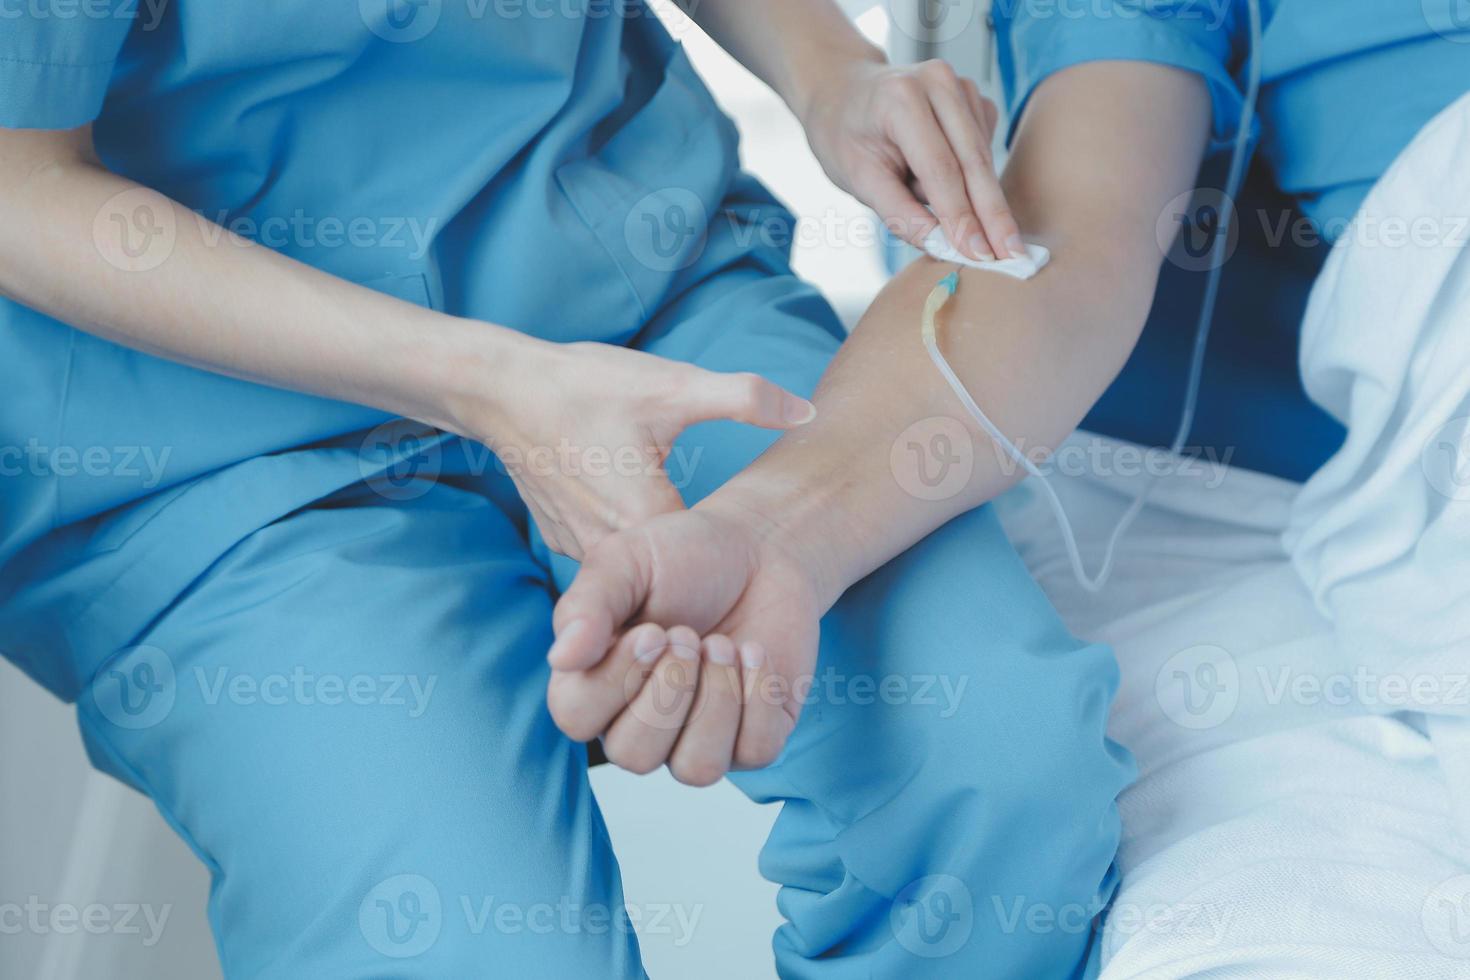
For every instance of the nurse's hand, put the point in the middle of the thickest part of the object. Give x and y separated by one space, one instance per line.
896 136
587 428
689 641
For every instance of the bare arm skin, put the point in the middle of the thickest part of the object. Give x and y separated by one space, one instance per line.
1102 149
232 308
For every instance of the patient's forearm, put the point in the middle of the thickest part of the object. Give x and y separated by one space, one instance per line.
1092 172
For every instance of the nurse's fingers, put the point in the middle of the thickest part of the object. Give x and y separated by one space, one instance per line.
969 136
902 212
929 154
748 398
765 724
544 518
608 590
585 703
995 211
702 755
630 503
983 108
641 738
551 530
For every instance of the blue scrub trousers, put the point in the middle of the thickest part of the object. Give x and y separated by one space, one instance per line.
344 716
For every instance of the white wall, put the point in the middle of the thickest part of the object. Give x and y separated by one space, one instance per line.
125 859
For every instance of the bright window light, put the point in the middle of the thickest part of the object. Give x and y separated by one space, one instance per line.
874 25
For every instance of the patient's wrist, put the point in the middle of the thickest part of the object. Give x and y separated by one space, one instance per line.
792 523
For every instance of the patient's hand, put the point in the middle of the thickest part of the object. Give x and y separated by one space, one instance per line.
688 641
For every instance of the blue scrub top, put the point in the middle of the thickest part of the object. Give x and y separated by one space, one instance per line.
1345 83
531 163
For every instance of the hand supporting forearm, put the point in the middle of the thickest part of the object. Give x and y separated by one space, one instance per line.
221 303
1103 148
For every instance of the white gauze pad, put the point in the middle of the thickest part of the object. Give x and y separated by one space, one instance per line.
1037 256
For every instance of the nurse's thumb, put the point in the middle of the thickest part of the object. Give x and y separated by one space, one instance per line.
751 399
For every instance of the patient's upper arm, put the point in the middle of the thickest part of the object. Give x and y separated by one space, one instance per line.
1103 147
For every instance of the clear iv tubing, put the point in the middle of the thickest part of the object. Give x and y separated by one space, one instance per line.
949 284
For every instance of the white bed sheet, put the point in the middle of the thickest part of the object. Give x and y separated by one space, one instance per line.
1289 819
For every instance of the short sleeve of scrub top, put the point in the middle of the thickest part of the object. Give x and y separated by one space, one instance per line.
56 60
1038 38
